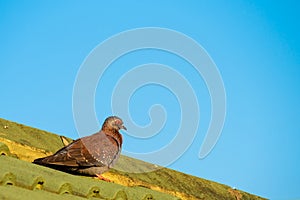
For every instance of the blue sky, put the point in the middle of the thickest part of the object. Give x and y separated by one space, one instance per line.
255 45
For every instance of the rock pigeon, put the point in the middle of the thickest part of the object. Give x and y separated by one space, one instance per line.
91 155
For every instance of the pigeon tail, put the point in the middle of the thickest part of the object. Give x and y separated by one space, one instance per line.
39 161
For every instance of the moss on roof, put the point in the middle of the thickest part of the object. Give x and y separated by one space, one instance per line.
28 143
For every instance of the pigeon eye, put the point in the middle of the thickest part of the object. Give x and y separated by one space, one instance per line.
118 122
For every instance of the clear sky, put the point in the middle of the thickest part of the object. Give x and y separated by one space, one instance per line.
254 44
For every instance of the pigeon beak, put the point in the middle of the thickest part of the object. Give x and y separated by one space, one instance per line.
123 127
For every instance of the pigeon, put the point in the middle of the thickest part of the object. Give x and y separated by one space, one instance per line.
91 155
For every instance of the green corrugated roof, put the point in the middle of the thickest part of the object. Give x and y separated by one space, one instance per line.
20 178
29 179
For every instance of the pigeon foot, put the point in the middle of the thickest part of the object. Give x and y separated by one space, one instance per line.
99 176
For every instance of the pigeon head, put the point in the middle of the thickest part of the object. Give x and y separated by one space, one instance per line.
113 122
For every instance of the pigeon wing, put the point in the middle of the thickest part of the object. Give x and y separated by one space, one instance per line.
73 155
95 150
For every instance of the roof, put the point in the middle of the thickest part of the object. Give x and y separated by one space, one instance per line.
19 178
